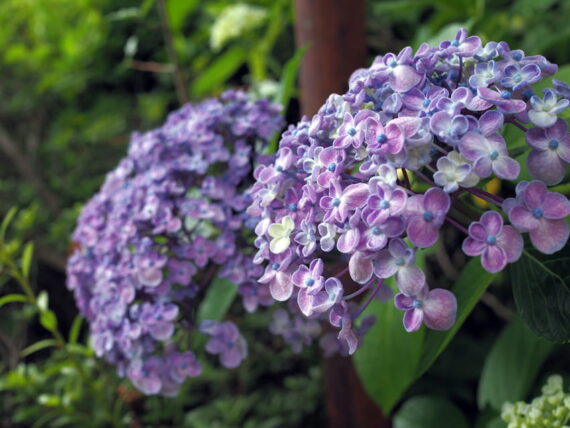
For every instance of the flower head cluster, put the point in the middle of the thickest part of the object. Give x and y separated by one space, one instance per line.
550 410
167 221
351 182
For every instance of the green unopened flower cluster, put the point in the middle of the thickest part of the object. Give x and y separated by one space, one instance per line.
550 410
234 21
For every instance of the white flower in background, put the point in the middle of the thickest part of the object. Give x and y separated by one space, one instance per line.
233 21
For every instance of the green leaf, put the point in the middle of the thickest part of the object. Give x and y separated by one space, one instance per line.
289 77
429 412
217 301
6 222
541 291
468 289
512 365
75 329
27 255
178 11
11 298
219 71
388 359
48 320
38 346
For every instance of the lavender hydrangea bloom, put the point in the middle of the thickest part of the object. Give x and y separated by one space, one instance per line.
225 341
496 243
542 214
548 161
436 308
360 175
165 220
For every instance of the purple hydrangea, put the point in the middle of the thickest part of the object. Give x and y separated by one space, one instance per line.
387 162
166 222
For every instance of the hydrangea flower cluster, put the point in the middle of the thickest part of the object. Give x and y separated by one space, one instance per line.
550 410
166 222
378 171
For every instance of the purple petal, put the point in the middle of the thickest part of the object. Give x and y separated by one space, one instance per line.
523 219
440 309
436 201
556 206
422 233
348 241
506 167
384 265
546 166
494 259
491 121
411 280
493 222
510 240
305 302
355 195
413 319
534 194
550 236
299 275
403 302
404 77
473 247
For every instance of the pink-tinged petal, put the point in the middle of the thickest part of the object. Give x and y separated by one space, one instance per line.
534 194
479 104
393 226
546 166
421 233
404 77
403 302
355 195
523 219
384 264
305 302
436 200
506 168
556 206
348 241
492 221
469 46
478 231
494 259
413 320
536 137
491 121
473 247
411 280
398 200
415 205
363 115
550 236
281 287
409 125
414 99
511 241
440 309
360 267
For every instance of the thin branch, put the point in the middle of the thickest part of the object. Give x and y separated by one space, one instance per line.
152 67
181 89
27 170
496 306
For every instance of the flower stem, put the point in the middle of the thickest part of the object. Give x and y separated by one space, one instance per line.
368 300
480 193
358 292
456 224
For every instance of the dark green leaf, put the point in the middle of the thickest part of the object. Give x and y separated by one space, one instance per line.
541 290
388 359
217 301
512 365
468 289
429 412
10 298
219 71
178 11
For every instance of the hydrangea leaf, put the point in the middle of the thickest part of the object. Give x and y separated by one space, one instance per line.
512 365
542 294
429 412
468 288
219 297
